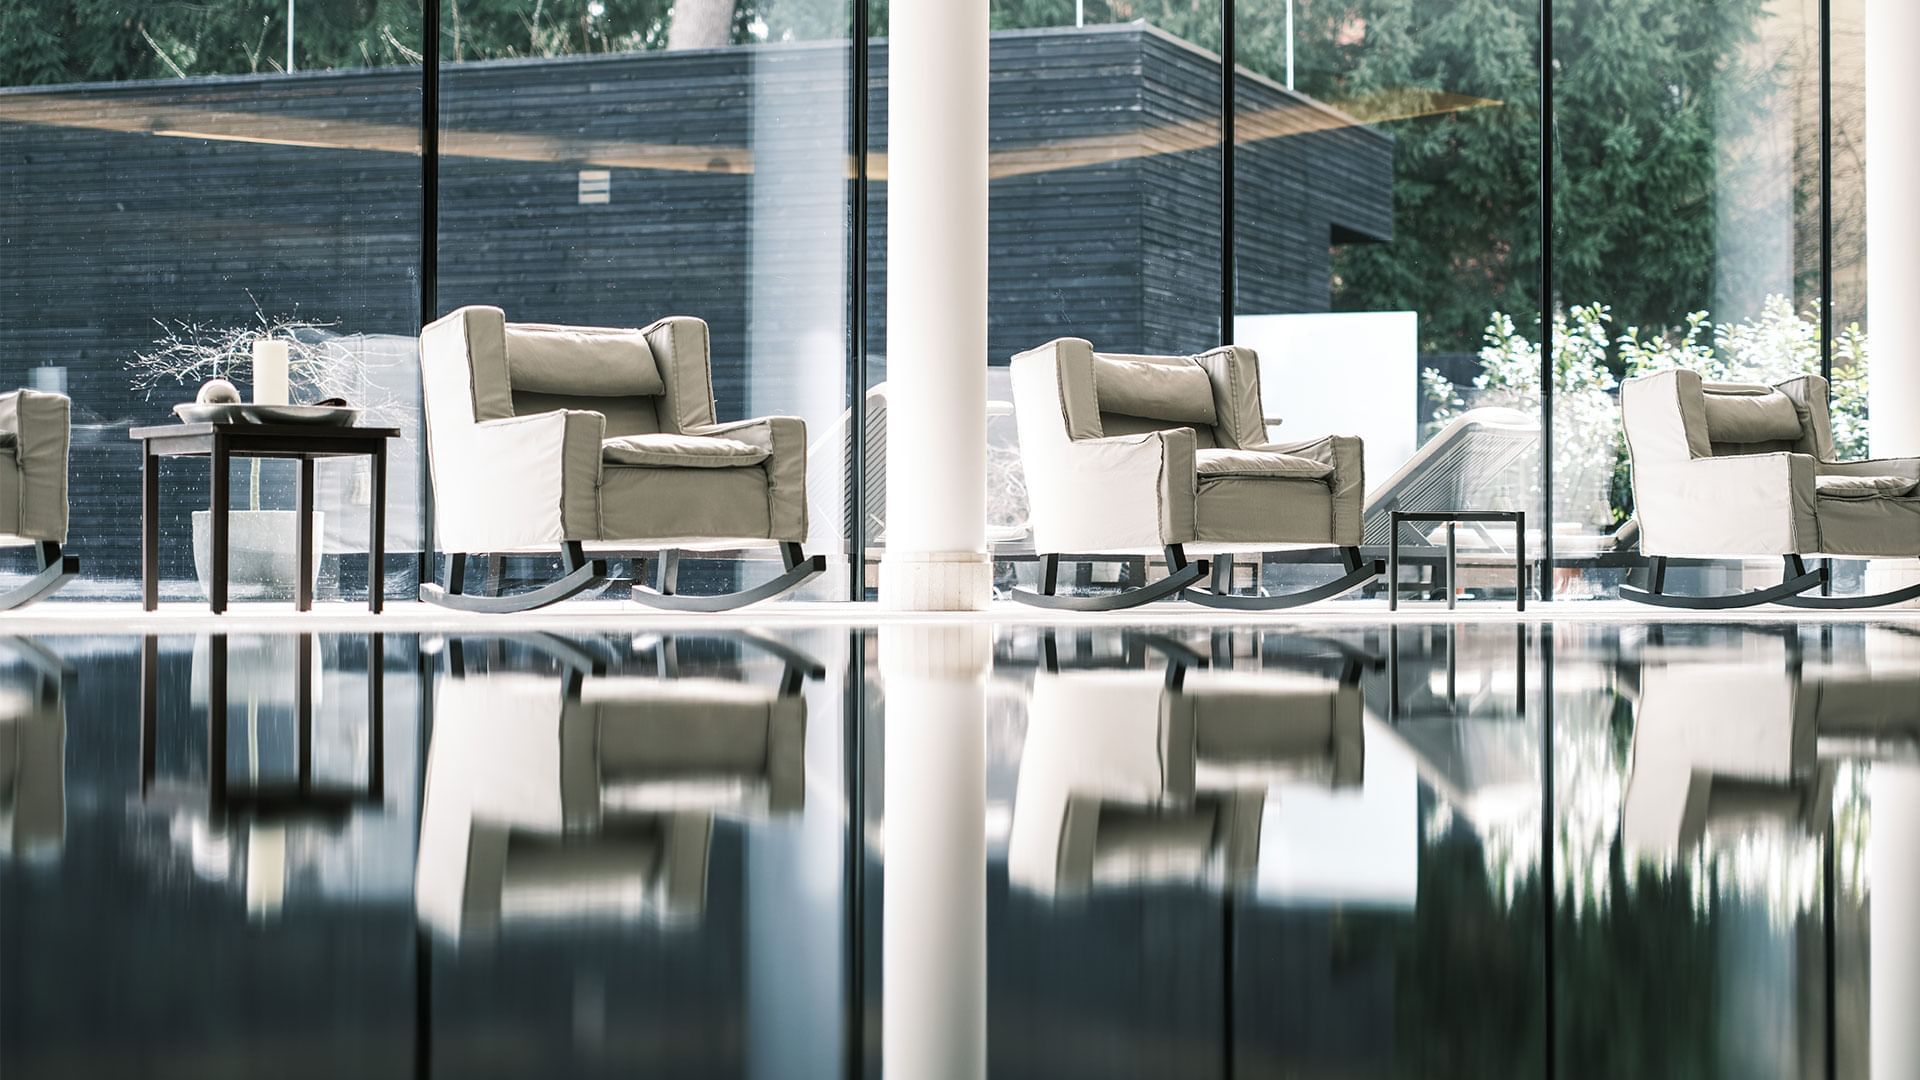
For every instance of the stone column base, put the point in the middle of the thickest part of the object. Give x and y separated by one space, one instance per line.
936 580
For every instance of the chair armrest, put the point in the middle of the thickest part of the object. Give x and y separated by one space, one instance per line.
1347 455
1118 493
36 428
784 438
682 351
1732 506
1907 467
520 481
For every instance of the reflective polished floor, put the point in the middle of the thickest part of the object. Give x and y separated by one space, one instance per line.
1419 850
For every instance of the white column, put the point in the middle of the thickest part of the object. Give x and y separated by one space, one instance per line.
1893 250
936 309
934 923
1893 226
1893 881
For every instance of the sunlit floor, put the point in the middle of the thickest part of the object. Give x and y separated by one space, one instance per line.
789 844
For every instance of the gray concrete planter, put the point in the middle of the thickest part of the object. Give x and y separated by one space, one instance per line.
261 552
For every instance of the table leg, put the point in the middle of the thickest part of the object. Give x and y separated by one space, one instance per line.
217 719
217 511
1393 673
150 529
377 541
376 717
149 707
303 546
1393 560
1453 564
303 706
1520 562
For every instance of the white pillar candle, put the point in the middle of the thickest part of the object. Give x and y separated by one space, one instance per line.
269 372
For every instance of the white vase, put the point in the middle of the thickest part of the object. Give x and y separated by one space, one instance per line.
262 552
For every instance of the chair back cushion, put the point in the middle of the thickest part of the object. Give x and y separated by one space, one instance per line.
1174 389
581 361
1744 415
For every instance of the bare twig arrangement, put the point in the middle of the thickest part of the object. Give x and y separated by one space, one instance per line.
321 363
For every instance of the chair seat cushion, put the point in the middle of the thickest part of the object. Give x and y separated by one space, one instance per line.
1864 487
668 450
1259 463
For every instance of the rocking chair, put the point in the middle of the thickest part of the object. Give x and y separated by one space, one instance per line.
567 436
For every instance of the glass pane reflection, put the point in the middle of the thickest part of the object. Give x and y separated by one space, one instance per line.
1075 851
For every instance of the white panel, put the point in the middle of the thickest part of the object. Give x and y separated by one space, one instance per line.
1344 373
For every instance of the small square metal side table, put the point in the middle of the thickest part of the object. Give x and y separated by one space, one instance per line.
1517 518
221 443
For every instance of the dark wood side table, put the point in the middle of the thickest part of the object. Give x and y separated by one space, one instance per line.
1517 518
221 443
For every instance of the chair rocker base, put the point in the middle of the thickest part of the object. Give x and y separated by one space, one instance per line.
1181 576
582 574
800 569
56 570
1849 603
1798 580
1358 574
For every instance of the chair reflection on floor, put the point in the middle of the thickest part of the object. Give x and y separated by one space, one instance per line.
33 750
589 796
1722 749
1148 775
1741 730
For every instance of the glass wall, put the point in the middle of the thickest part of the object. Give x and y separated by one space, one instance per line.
631 163
1686 211
177 182
1386 243
1104 211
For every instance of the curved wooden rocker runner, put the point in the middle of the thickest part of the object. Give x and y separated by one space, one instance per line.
799 568
56 569
581 575
1359 572
1181 575
1794 591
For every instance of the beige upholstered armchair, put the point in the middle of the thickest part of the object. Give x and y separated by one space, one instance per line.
1146 454
1128 776
34 432
594 797
576 438
1733 470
